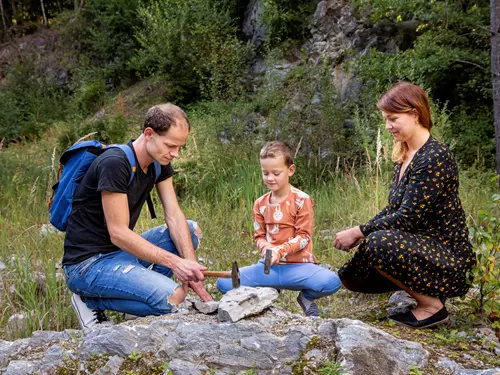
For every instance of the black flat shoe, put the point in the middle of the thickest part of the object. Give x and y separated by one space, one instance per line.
409 320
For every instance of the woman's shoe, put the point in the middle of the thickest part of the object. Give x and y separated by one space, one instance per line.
409 320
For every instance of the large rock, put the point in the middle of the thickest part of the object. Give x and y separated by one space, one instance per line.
275 342
245 301
254 27
448 364
361 347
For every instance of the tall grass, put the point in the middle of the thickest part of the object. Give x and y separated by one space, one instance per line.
217 187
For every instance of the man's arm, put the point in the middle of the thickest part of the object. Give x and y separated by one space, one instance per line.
179 230
116 211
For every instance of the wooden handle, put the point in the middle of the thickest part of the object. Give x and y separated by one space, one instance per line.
225 274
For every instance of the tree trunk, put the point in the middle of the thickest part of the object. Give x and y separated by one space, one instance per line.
495 74
14 12
43 13
3 18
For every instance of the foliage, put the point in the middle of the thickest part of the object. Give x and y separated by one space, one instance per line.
107 128
331 368
486 273
447 53
30 100
287 20
193 45
108 40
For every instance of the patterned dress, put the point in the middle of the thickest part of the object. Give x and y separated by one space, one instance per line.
420 238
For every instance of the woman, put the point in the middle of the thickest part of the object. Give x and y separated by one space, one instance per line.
419 241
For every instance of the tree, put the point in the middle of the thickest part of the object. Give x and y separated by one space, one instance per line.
495 76
3 17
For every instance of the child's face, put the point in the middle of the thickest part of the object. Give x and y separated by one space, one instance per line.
276 174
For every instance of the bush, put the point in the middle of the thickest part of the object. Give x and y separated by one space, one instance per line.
287 20
193 45
486 273
30 100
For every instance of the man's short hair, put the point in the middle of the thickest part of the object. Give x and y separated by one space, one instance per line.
275 149
162 116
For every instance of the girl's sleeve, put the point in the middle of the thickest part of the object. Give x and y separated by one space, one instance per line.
259 227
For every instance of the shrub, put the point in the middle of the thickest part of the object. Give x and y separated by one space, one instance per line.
30 100
287 20
193 45
486 273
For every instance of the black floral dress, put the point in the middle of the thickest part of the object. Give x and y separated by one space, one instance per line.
420 238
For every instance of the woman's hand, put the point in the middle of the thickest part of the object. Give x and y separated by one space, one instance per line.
348 238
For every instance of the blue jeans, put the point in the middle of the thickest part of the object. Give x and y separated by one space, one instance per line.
314 281
122 282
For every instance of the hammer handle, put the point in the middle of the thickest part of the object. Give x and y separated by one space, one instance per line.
225 274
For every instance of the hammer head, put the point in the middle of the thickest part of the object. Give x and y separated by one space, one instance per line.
267 261
235 275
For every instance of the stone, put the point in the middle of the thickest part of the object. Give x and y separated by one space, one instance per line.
2 266
209 307
198 344
180 367
112 367
48 230
360 348
254 26
451 365
16 323
21 367
245 301
400 302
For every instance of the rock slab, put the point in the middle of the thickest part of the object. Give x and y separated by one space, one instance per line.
244 301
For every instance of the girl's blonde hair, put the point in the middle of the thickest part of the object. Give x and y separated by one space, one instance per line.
404 97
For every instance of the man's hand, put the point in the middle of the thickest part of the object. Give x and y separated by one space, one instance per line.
200 290
186 270
347 239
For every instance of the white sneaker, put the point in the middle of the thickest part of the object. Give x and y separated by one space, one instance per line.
87 317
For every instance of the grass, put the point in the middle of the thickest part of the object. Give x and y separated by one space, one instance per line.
219 197
217 187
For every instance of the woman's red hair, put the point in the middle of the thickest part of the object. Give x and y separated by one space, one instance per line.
404 97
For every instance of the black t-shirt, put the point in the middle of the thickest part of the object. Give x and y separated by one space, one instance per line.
86 232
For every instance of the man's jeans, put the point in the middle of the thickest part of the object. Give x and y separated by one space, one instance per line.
314 281
121 282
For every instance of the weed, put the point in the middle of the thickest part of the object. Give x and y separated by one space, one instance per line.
415 371
134 356
331 368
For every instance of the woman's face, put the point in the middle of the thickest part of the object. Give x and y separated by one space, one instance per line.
401 125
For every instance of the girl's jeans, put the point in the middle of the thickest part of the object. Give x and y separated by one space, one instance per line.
314 281
121 282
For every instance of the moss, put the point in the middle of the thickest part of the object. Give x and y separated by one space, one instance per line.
96 362
145 364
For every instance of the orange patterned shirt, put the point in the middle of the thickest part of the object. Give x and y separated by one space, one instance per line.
285 227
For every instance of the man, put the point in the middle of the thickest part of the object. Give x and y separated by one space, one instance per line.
107 265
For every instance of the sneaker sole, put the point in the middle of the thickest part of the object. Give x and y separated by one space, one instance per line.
77 313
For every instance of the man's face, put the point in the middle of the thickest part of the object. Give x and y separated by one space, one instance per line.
164 148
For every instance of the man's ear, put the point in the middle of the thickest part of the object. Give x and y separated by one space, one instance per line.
148 133
291 170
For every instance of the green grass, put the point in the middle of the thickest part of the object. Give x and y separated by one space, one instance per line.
217 188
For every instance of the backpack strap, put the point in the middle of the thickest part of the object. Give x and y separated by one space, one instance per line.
131 159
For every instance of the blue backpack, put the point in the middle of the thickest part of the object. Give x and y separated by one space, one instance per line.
75 162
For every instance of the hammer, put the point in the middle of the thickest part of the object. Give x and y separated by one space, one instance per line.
234 274
267 261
